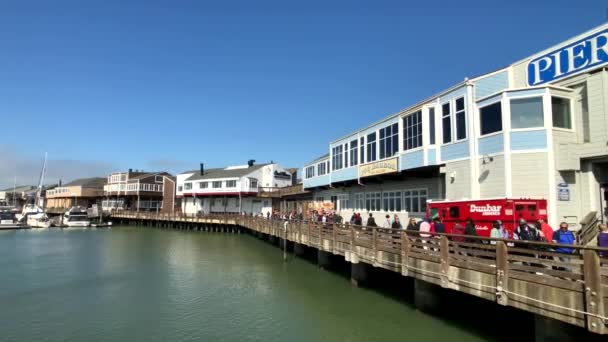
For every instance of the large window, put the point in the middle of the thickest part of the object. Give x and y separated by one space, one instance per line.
217 184
391 201
389 141
490 118
361 150
415 201
560 108
343 202
188 186
203 185
336 158
231 184
373 201
321 169
412 131
461 120
354 160
432 126
253 183
527 113
310 171
360 201
371 147
446 122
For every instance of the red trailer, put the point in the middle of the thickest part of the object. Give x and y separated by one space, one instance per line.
485 211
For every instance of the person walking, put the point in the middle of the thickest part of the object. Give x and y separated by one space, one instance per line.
439 226
602 239
563 236
470 230
371 222
387 222
396 224
498 231
412 225
546 230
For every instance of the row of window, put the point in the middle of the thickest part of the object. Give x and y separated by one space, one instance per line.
411 201
215 185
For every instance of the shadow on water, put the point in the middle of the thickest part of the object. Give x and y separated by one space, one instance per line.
481 317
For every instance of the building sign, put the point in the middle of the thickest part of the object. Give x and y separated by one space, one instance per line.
570 59
563 192
486 210
378 168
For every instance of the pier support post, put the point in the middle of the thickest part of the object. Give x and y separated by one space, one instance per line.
359 274
323 259
427 296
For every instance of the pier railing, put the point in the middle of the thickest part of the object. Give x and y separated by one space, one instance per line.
564 282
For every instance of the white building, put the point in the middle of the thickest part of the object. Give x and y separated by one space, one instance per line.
537 128
232 189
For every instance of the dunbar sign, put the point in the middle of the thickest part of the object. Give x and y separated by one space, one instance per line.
378 168
570 59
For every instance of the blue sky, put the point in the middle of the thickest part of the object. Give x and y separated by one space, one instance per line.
105 85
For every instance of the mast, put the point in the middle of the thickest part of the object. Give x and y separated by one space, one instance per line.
14 190
41 181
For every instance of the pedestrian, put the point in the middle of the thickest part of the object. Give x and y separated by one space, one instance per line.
602 239
498 231
458 230
412 225
525 232
359 221
353 219
439 226
387 222
470 230
371 222
563 236
425 227
396 224
547 231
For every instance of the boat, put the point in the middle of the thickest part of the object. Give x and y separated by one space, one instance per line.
76 217
8 220
32 214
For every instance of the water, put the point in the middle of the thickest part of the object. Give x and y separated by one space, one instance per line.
128 284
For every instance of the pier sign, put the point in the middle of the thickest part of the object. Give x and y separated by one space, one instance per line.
568 60
378 168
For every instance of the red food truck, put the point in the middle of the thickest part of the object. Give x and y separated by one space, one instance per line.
484 212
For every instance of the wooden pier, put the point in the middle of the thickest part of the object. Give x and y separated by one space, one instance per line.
571 288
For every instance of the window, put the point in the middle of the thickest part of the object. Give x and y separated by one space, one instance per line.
526 113
321 170
391 201
203 185
231 184
432 126
560 108
361 150
346 155
158 179
343 202
461 120
412 131
188 186
389 141
371 147
360 201
334 201
447 123
455 212
415 200
373 201
336 158
253 183
490 118
353 153
217 184
310 172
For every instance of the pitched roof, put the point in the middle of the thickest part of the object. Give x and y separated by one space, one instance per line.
225 172
318 159
20 188
94 182
148 174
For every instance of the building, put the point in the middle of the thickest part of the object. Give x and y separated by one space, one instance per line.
20 195
139 191
536 128
232 189
83 192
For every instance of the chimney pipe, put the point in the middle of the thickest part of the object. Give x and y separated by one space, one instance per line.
130 170
250 162
202 169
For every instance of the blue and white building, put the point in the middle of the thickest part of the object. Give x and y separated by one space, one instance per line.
537 128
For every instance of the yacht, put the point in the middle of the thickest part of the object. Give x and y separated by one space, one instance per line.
76 217
8 220
32 214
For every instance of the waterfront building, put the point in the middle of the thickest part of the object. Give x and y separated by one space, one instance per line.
20 195
84 192
140 191
536 128
232 189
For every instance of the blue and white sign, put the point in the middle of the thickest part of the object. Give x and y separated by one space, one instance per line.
563 192
570 59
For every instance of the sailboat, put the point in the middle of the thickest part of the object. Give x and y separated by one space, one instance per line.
32 214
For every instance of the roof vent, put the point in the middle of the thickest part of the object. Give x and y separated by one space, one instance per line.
202 169
250 162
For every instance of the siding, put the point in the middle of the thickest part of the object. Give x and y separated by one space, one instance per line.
432 156
455 151
454 94
568 211
491 144
597 99
316 181
530 92
530 175
520 75
344 174
411 160
528 140
491 84
492 178
460 187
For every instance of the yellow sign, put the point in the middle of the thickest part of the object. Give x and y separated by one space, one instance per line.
378 168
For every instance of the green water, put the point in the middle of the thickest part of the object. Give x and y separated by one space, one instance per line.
137 284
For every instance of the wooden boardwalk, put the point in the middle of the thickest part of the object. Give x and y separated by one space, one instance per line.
525 275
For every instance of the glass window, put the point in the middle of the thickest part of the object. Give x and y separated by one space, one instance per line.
217 184
346 155
432 126
447 123
412 131
361 149
560 108
371 147
336 158
253 183
310 172
455 212
180 188
188 186
461 121
203 185
490 118
354 160
389 143
526 113
231 184
321 169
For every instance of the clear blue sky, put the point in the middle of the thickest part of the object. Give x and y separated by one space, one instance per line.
169 84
